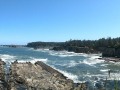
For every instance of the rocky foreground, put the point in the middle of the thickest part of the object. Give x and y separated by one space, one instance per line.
38 76
3 85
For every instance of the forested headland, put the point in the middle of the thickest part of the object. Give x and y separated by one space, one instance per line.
109 47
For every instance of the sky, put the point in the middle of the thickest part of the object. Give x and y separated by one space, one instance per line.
23 21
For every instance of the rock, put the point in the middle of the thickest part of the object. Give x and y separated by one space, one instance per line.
3 84
39 76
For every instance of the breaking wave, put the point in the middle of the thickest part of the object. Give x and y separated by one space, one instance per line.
10 58
7 58
65 54
70 76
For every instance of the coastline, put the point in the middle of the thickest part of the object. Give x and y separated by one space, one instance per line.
93 58
22 76
108 59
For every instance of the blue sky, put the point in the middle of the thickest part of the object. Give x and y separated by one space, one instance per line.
23 21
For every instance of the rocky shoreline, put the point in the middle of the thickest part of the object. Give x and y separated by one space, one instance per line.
3 84
108 59
38 76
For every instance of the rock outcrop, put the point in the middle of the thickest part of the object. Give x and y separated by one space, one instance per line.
39 76
75 49
110 52
3 84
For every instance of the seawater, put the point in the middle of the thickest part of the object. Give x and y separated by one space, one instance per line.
76 66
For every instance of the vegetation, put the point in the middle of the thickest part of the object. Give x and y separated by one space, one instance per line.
43 44
110 47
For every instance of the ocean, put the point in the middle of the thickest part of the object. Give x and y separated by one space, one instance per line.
81 68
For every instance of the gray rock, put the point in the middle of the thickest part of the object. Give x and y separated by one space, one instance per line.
39 76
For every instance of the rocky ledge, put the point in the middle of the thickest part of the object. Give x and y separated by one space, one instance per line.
39 76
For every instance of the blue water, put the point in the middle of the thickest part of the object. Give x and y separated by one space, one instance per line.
76 66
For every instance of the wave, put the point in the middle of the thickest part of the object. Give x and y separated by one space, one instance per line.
37 59
10 58
7 58
70 76
33 60
65 54
91 61
72 64
104 65
104 70
67 74
41 50
71 54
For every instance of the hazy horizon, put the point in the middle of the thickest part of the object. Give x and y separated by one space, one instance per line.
58 20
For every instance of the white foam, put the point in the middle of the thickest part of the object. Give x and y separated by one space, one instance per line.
113 76
33 60
21 61
93 59
66 54
72 64
104 65
68 75
36 59
104 70
70 54
7 58
46 49
42 50
96 75
91 62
